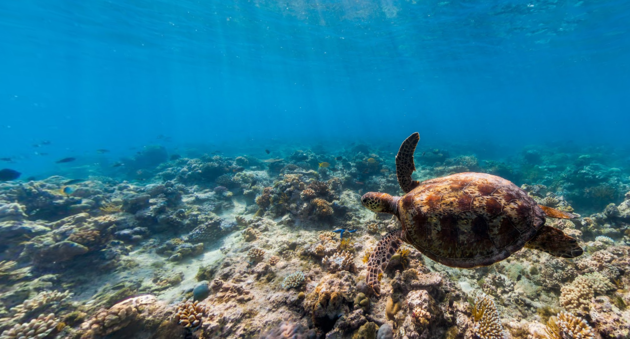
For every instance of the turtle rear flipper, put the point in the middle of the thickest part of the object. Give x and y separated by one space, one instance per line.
405 165
555 242
554 213
379 259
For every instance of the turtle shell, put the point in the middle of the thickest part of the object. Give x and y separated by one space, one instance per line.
469 219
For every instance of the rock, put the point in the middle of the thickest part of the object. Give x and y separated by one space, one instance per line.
15 229
12 211
61 251
201 290
385 332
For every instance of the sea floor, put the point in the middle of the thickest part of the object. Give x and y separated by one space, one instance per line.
242 247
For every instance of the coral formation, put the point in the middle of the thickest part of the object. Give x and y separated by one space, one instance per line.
107 321
487 324
189 314
566 325
340 261
293 280
37 328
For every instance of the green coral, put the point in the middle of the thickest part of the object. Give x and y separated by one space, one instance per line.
367 331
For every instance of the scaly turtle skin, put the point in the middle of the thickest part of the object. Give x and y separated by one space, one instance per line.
462 220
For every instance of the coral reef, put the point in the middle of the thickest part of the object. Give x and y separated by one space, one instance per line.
241 247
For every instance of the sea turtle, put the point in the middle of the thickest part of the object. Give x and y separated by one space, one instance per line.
462 220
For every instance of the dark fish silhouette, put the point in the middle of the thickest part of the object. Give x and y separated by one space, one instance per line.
8 174
69 159
73 181
102 151
267 151
341 231
118 164
6 159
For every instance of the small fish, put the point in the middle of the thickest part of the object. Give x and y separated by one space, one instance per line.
339 158
174 157
324 164
64 160
423 153
371 161
46 142
102 151
267 151
8 174
66 190
6 159
118 164
341 231
359 182
273 160
36 145
73 181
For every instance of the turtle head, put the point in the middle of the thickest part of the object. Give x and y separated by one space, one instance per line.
380 202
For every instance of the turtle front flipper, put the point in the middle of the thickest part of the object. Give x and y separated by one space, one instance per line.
555 242
379 259
405 165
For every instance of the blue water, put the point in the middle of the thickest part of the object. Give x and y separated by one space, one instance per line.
263 74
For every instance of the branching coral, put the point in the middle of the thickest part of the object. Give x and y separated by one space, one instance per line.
293 280
264 200
120 315
321 208
372 228
250 234
567 326
308 194
274 260
576 297
340 261
190 314
487 324
110 207
46 300
37 328
256 255
86 237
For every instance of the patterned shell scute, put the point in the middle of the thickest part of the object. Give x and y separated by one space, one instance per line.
469 219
